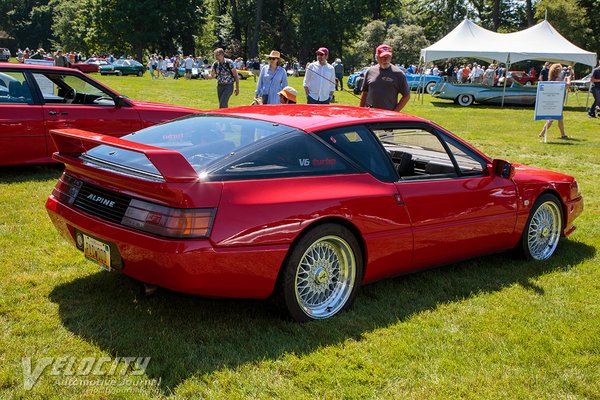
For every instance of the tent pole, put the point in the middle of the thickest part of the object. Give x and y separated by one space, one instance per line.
505 79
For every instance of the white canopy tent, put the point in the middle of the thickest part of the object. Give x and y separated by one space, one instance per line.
540 42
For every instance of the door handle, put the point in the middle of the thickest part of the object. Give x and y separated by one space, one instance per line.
57 113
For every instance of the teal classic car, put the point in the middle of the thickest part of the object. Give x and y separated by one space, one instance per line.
123 67
467 94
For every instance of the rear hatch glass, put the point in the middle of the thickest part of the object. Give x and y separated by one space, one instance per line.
201 139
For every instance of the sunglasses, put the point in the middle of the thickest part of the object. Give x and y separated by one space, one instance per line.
320 54
273 58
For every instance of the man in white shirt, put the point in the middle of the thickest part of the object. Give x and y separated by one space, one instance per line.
319 80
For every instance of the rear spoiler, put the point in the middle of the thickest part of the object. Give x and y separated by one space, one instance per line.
171 164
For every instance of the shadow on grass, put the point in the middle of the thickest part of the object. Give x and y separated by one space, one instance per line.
190 336
451 104
30 173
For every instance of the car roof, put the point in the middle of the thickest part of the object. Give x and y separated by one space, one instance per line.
316 117
34 67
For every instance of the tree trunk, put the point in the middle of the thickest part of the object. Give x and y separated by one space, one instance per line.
236 21
257 23
529 11
496 15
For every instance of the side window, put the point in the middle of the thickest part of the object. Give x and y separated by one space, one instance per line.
71 89
469 163
359 144
14 89
417 153
293 154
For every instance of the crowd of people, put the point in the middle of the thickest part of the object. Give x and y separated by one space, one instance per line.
385 85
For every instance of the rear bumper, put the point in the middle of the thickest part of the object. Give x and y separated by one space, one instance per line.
189 266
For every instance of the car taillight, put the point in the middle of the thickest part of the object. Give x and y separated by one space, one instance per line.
167 221
66 189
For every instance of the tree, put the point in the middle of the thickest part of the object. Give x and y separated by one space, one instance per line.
407 42
28 21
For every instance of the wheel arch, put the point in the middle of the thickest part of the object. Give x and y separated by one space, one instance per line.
327 220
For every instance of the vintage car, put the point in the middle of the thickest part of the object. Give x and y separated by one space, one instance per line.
303 202
521 77
35 99
123 67
467 94
583 83
90 65
244 74
415 81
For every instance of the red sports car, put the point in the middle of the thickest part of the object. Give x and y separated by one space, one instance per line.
302 202
35 99
90 65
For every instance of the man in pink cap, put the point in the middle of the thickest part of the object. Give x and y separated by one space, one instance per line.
319 80
384 82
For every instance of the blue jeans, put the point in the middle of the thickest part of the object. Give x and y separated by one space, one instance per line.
224 92
596 94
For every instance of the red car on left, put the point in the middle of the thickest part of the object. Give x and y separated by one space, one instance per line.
35 99
90 65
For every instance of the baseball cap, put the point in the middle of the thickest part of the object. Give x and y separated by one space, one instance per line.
383 50
323 50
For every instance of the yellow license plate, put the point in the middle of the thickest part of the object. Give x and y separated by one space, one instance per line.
96 251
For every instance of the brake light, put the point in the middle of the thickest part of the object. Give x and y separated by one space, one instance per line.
167 221
66 189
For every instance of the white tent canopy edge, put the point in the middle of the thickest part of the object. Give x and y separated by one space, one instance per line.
540 42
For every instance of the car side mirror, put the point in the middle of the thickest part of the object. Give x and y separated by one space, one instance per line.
502 168
120 101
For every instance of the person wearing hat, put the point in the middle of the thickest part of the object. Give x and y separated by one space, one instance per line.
288 95
319 79
271 79
384 82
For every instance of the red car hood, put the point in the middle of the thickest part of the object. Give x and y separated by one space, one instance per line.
527 174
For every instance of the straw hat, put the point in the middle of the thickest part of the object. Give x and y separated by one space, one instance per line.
289 93
274 54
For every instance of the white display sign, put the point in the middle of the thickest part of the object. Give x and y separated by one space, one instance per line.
550 100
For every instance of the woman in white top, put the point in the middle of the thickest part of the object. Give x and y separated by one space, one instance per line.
271 80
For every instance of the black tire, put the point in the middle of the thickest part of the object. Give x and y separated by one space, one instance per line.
321 274
465 100
119 73
543 228
140 73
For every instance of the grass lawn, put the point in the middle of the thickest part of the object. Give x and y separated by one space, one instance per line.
492 327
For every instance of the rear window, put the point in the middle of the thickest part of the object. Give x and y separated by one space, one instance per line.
202 139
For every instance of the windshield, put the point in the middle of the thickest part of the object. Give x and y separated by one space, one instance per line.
201 139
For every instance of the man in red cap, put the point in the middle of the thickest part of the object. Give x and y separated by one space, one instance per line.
319 80
383 82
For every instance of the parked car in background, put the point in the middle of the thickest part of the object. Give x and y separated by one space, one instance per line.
467 94
583 83
123 67
4 54
356 79
296 70
244 74
521 77
90 65
303 203
35 99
